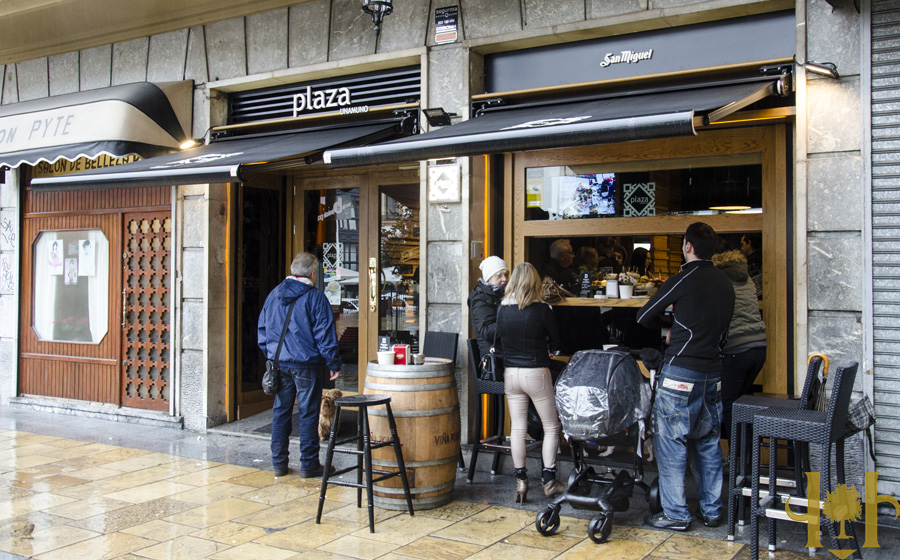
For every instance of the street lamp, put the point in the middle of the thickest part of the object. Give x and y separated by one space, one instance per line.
378 9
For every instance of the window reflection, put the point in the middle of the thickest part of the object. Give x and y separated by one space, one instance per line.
592 191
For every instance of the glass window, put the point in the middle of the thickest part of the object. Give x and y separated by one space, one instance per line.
594 191
71 286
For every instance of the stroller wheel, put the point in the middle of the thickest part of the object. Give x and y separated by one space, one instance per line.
583 488
547 522
600 527
654 498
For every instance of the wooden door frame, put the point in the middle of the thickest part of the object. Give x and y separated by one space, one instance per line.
764 145
367 180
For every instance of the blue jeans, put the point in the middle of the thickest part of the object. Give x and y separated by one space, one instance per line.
305 385
686 424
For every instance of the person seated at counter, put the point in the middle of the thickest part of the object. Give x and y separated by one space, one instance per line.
587 260
641 261
606 247
621 255
484 301
561 267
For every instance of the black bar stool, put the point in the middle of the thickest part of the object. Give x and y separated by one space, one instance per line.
363 452
740 446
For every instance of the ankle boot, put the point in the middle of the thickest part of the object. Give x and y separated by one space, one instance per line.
553 488
521 490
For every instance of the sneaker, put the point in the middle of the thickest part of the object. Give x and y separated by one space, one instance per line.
281 471
663 521
317 472
708 521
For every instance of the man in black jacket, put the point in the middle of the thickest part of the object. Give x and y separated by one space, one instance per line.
688 409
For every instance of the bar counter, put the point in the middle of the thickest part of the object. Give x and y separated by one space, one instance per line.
635 302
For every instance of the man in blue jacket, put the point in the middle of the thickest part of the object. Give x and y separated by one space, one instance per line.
687 410
310 342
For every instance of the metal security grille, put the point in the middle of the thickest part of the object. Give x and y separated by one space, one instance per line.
372 89
145 311
886 238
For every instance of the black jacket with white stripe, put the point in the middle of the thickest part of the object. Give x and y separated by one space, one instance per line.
703 301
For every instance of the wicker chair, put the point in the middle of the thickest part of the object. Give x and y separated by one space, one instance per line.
808 426
496 443
443 345
739 449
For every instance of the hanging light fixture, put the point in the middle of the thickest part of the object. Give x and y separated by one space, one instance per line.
730 193
378 9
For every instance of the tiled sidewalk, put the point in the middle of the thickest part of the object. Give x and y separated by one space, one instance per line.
98 501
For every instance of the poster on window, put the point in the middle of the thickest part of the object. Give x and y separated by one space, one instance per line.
87 258
71 272
55 258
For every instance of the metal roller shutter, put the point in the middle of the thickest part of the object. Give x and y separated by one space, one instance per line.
886 238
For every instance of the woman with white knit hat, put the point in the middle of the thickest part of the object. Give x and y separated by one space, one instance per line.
485 299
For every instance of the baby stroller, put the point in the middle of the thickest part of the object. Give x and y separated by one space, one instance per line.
602 398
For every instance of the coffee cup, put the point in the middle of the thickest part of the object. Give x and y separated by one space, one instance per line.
386 358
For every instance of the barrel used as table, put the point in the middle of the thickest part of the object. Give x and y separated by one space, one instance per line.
425 404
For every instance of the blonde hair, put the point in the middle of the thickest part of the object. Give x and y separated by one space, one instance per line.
524 286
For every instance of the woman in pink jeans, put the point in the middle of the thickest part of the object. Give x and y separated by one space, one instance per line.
530 334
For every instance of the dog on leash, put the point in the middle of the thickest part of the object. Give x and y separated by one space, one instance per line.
326 412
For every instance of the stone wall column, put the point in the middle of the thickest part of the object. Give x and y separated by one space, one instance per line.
10 250
835 191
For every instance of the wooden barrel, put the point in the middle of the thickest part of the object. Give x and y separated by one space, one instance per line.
425 404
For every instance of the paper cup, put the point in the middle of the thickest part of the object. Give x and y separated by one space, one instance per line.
625 292
386 358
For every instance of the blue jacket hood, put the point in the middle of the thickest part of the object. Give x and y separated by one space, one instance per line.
290 289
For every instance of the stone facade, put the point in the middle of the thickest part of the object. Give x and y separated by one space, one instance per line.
332 37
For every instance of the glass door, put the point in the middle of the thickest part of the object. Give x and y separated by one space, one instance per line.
365 230
398 270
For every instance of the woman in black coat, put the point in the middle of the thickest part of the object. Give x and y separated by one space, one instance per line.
485 299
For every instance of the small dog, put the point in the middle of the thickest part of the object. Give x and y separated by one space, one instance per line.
326 412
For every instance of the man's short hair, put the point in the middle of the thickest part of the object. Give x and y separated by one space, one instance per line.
559 246
304 264
703 239
754 240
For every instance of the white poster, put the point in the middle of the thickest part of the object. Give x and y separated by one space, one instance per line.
71 272
55 258
87 258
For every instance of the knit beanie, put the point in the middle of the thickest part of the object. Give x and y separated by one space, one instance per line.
491 266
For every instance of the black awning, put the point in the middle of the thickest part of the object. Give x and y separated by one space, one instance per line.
226 161
636 116
141 118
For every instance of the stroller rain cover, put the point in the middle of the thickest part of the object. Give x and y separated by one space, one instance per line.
600 394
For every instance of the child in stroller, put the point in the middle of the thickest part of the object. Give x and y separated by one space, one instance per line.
603 398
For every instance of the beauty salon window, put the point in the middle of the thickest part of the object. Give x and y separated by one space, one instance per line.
71 286
609 191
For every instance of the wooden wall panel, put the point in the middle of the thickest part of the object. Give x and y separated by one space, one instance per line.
37 202
80 380
81 371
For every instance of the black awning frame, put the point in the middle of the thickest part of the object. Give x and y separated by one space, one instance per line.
580 122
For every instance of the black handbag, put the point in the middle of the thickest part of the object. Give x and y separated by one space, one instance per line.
271 381
491 364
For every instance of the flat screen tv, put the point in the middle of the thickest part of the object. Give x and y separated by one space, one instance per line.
586 196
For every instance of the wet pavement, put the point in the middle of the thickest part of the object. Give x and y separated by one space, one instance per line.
75 487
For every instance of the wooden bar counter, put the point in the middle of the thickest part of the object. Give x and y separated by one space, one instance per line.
635 302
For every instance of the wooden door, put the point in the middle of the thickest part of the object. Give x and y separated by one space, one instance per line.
145 310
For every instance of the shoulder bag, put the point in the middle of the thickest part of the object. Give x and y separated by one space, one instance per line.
491 365
271 381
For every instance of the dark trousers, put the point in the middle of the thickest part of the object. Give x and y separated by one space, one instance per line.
304 385
739 371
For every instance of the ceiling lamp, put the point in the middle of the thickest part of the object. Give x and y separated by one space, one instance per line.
378 9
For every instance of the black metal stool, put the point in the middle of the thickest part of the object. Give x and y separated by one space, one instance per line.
363 452
740 446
